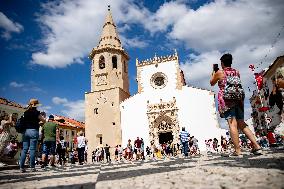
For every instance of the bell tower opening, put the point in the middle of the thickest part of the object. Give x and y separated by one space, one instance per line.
165 137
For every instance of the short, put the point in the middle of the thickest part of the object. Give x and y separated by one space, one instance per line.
139 150
236 112
49 148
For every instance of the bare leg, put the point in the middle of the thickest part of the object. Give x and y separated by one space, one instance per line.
43 159
234 134
243 126
52 159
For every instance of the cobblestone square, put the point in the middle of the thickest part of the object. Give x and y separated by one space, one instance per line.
203 171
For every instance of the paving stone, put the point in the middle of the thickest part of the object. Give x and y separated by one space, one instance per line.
208 171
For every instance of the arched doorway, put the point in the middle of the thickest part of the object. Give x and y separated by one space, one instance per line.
165 137
163 122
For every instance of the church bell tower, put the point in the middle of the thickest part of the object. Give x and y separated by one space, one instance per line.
109 87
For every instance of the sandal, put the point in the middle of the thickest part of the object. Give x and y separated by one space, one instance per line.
257 152
234 154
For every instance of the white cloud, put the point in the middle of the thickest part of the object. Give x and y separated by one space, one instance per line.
16 85
9 26
45 109
220 25
58 100
30 86
134 42
168 14
72 109
72 28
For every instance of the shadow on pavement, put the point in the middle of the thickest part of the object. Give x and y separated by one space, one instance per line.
248 161
158 167
119 166
135 173
25 177
90 185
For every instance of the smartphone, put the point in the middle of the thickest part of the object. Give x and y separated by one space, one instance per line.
215 67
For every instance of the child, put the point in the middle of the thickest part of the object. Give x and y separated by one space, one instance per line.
62 150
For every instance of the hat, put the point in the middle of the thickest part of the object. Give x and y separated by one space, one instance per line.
51 117
34 103
80 133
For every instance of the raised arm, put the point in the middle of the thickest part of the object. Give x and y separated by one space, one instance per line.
216 76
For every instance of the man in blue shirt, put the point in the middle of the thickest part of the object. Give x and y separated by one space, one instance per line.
184 141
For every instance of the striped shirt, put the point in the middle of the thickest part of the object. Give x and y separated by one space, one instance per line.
184 136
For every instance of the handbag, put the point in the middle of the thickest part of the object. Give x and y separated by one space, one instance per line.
20 125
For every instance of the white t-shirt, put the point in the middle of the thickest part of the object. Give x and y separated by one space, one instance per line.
120 150
81 141
62 142
7 149
3 122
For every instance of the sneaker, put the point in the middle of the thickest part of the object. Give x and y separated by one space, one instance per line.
2 164
23 170
257 152
33 170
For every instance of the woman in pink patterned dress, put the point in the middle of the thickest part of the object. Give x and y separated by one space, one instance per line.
232 110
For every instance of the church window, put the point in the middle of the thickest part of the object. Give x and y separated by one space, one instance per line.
101 140
124 67
114 62
96 111
102 64
158 80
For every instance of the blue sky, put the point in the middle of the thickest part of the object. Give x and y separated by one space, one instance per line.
45 44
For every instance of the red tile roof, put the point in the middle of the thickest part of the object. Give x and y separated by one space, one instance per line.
10 103
65 121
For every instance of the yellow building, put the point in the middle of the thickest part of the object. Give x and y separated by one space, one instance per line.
69 128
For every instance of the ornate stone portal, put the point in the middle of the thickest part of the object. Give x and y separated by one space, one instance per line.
162 118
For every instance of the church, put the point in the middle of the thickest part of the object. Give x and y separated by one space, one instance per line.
162 106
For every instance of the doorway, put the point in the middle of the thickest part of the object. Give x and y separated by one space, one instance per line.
165 137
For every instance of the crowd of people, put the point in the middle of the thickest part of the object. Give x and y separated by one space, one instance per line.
8 135
44 145
136 150
39 143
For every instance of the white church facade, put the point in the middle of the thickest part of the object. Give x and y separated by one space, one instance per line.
164 104
161 107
